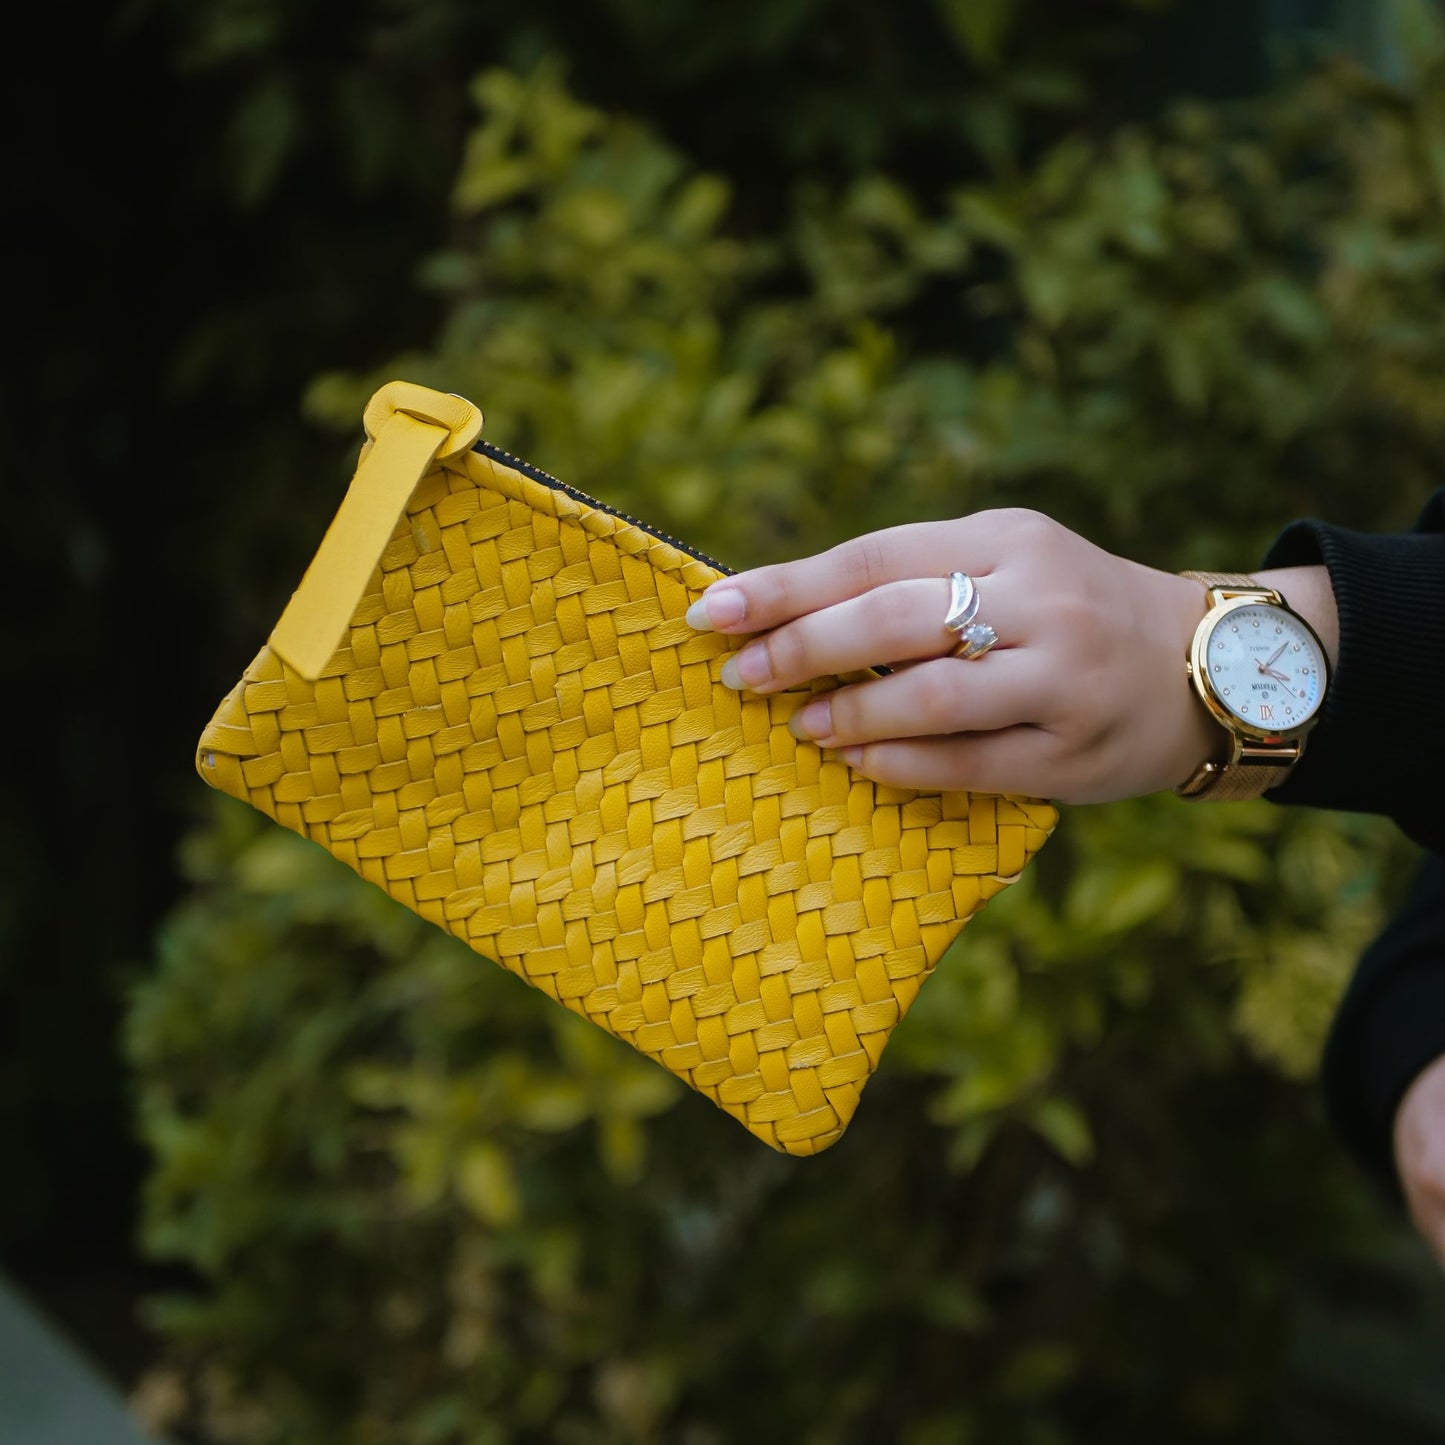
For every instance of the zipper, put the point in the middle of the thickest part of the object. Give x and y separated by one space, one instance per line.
497 454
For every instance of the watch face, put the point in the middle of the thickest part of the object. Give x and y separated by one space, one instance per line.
1265 667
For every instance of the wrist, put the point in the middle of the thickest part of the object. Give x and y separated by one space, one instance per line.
1200 738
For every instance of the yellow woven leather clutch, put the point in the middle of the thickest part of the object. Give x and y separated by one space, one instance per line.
483 697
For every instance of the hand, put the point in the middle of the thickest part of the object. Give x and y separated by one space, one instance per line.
1083 699
1420 1154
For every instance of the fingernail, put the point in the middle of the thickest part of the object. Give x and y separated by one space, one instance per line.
814 721
852 756
748 668
717 608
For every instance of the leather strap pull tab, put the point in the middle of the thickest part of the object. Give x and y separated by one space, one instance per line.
462 420
409 428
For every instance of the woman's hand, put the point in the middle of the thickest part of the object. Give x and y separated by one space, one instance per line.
1420 1154
1084 698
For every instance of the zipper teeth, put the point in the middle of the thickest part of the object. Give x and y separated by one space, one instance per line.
496 453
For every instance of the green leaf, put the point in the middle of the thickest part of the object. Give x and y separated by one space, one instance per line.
552 1105
264 131
1112 898
981 26
1065 1126
1039 1369
487 1186
623 1147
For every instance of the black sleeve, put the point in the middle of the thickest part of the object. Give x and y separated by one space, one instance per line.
1390 591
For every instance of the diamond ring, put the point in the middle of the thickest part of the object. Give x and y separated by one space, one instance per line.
974 637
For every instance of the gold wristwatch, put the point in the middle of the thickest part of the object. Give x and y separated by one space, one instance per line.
1262 672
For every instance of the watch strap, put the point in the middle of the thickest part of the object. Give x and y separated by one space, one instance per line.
1235 782
1231 584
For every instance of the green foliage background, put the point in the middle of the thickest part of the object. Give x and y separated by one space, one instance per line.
770 276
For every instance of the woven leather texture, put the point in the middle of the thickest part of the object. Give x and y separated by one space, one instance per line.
522 740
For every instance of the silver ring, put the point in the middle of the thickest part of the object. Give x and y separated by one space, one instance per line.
962 602
974 637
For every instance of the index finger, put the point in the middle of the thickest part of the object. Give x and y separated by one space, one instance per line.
766 597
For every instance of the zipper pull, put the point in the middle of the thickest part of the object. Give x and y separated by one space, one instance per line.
408 428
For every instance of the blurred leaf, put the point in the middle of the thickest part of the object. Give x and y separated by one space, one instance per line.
1110 898
1038 1370
487 1186
624 1148
263 132
981 26
1063 1124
